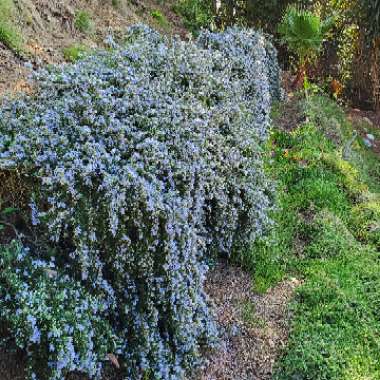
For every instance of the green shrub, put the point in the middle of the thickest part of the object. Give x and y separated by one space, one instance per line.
197 14
9 34
83 21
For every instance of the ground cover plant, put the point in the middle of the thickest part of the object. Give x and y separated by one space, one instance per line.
9 34
327 235
138 162
83 21
74 52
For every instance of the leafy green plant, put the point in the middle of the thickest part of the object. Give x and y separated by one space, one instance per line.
303 32
160 18
83 21
197 14
74 52
10 36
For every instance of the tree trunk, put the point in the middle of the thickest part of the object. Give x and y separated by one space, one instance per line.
375 74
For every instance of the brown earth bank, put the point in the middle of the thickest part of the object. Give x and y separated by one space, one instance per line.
48 26
254 327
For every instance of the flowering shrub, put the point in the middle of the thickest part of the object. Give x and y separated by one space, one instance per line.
52 317
274 71
145 158
254 64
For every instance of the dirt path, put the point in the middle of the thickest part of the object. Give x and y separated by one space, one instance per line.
254 327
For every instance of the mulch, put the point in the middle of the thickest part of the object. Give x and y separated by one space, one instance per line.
254 327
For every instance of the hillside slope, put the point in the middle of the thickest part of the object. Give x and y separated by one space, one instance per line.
40 31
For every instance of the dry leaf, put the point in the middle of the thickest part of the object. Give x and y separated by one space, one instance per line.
113 359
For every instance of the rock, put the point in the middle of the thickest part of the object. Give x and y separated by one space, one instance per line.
370 137
367 143
368 121
235 330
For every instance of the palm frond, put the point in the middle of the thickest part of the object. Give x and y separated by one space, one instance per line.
303 31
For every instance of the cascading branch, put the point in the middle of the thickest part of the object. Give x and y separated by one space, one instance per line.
144 159
53 318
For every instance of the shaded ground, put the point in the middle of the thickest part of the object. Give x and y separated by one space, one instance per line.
367 122
254 327
12 365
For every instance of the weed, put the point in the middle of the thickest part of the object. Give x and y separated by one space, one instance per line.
9 34
160 18
197 14
250 317
74 52
10 37
83 22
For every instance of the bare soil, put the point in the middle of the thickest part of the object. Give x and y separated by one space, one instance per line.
48 26
254 327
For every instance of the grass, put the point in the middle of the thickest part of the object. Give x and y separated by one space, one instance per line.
327 232
74 52
9 33
83 22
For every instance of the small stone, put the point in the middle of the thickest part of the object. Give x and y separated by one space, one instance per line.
367 143
368 121
235 330
370 137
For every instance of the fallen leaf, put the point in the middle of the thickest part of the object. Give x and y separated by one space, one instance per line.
113 359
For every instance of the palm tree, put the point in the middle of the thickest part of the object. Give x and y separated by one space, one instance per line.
303 32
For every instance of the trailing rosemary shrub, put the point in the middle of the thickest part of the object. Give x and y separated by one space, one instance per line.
254 67
145 158
58 323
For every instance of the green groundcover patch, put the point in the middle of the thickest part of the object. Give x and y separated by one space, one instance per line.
327 234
